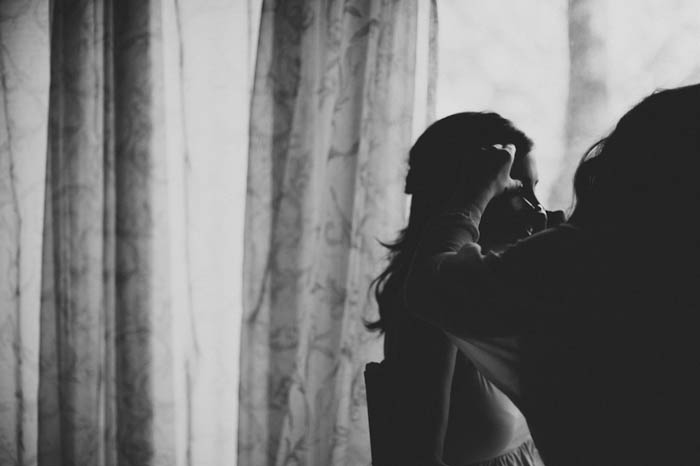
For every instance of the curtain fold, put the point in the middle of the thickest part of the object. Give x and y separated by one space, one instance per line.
105 394
23 101
121 230
330 129
588 102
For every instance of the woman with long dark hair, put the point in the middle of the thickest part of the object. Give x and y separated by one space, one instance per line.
588 327
442 407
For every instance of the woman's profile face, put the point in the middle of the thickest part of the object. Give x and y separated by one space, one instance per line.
515 215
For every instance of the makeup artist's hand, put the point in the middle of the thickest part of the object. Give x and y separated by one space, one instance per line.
485 176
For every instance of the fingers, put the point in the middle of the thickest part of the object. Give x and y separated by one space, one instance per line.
510 148
512 185
504 157
486 175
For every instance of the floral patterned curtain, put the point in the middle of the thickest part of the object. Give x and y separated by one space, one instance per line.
330 130
122 172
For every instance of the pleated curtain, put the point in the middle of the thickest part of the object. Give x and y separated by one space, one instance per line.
122 179
331 120
105 393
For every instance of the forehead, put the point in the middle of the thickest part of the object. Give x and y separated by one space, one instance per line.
524 167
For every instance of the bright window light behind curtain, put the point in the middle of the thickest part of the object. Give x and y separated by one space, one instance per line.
210 53
514 58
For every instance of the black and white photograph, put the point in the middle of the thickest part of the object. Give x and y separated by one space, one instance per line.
349 232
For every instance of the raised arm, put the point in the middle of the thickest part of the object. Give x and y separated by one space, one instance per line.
451 283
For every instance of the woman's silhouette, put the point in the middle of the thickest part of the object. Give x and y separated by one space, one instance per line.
443 408
590 326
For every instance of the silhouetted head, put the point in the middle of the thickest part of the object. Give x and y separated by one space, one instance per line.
643 176
435 163
435 169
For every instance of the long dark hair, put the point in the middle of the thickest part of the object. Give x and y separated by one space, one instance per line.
434 162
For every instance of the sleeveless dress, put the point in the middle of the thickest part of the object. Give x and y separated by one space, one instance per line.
496 433
484 427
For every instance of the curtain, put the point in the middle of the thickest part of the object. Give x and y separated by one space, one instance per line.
122 174
24 44
105 392
331 119
588 101
618 54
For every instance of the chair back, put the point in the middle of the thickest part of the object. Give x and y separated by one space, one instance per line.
379 407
